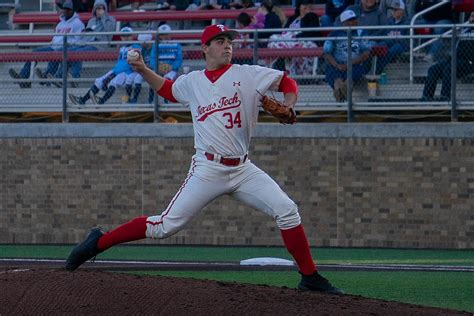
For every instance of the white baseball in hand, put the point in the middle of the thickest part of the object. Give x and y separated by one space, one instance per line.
133 55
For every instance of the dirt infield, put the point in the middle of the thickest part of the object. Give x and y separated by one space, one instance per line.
37 290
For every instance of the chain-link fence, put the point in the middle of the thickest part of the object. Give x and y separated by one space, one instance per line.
387 73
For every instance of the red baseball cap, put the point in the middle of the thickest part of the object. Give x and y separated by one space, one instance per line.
213 31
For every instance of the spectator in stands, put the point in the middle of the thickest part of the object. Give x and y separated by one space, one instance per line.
280 13
333 9
336 56
295 38
440 15
100 21
251 22
386 6
69 23
134 81
113 79
442 69
272 21
368 14
170 56
245 21
395 46
303 7
78 5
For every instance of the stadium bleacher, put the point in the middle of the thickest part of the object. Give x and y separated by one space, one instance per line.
51 18
315 95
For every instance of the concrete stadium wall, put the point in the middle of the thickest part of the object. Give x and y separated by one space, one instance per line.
358 185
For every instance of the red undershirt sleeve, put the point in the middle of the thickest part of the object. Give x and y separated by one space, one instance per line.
166 91
288 85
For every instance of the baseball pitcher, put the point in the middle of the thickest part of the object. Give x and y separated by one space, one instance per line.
224 102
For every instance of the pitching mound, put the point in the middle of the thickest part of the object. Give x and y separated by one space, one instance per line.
55 291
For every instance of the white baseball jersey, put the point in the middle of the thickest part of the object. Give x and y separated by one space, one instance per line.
225 112
224 115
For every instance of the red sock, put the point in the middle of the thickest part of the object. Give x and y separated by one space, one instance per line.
297 244
133 230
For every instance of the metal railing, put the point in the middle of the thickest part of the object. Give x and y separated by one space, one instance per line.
401 93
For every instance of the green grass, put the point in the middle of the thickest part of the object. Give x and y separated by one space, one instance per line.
452 290
235 254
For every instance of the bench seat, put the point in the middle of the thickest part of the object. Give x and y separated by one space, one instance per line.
112 55
167 15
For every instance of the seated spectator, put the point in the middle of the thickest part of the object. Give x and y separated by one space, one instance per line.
303 7
78 5
310 20
442 69
386 6
100 21
336 56
281 15
440 15
69 23
170 56
134 81
333 9
396 47
245 21
294 38
113 79
272 21
369 14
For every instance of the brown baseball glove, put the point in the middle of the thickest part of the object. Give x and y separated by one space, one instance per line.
285 114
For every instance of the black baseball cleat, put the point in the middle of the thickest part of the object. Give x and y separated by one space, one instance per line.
85 250
316 282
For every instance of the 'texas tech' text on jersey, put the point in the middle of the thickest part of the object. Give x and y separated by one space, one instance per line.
225 111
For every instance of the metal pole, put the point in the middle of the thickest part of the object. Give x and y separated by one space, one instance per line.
454 40
350 114
156 102
412 24
255 47
65 70
411 53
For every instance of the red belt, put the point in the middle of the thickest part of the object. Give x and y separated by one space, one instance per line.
230 162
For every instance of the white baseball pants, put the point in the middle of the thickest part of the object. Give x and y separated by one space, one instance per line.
207 180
